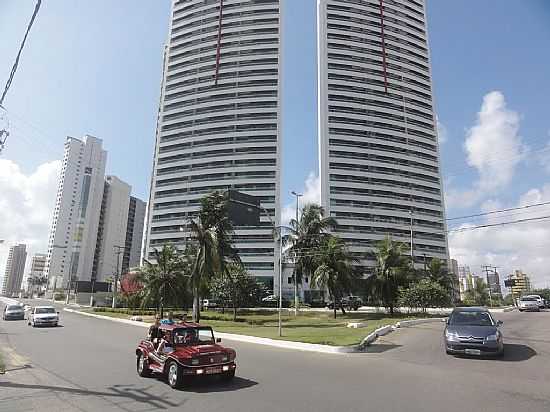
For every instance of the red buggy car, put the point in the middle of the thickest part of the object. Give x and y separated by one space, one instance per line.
190 350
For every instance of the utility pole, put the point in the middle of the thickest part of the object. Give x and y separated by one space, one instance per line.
487 269
412 244
119 251
298 195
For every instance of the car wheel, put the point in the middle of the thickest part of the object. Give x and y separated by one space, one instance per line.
448 352
55 325
142 366
228 376
175 375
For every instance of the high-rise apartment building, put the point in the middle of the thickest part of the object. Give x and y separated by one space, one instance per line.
219 124
73 234
111 233
522 283
38 265
15 268
378 147
134 233
493 281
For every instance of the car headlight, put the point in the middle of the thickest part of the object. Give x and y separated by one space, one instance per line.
195 361
225 358
451 335
493 338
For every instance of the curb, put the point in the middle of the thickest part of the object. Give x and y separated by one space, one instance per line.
283 344
384 330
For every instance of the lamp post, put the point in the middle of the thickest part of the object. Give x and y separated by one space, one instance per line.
55 276
412 244
298 195
119 250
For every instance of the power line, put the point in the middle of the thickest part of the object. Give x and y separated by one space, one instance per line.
16 63
498 211
465 229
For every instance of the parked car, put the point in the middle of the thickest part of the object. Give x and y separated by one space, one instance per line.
527 303
209 304
540 300
13 312
349 302
473 331
190 351
270 298
43 316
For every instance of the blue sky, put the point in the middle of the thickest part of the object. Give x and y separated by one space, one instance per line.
95 67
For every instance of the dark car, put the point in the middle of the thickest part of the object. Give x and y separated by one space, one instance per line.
190 352
349 302
13 312
473 331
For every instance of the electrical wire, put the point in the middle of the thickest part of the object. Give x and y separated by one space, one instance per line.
498 211
16 63
465 229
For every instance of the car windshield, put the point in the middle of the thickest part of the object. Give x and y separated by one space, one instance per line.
14 307
44 310
528 299
193 336
471 318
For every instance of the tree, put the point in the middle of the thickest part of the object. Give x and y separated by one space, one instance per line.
163 279
424 294
211 234
478 295
391 271
305 238
235 287
334 269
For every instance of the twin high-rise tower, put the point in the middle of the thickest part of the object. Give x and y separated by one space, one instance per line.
219 124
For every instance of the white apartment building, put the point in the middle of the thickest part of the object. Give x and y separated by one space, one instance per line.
134 234
378 147
219 123
38 265
111 233
73 233
15 267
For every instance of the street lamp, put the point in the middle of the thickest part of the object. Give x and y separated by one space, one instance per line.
119 250
298 195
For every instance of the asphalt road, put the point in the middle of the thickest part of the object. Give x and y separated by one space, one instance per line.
89 365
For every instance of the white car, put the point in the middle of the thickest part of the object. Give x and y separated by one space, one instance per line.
43 316
528 303
540 300
209 304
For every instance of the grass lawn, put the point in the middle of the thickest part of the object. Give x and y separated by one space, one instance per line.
308 327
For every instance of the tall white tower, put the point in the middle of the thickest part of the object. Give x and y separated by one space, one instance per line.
378 148
219 123
73 233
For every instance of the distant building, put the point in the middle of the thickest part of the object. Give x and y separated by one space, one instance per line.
522 283
73 233
112 229
134 234
15 268
464 280
493 280
456 295
38 265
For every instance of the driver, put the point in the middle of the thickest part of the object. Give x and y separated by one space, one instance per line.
165 346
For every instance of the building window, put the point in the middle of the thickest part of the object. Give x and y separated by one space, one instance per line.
290 280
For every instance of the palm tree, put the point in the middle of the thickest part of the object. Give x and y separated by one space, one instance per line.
335 270
391 269
478 295
435 271
211 234
305 238
164 278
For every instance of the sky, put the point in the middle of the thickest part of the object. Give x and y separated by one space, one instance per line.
95 68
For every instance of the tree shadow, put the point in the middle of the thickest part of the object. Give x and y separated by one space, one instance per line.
124 392
209 384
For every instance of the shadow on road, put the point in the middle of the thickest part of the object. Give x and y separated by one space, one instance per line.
127 392
211 384
514 352
381 347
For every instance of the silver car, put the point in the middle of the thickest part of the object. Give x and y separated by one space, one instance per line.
13 312
473 331
43 316
528 303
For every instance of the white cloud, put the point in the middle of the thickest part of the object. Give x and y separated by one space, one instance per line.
494 148
26 206
311 194
518 246
442 133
